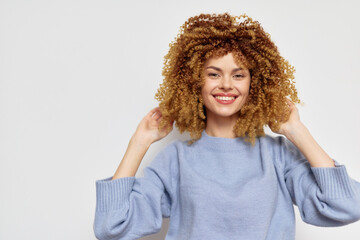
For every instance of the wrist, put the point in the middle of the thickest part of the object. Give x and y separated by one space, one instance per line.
139 139
295 131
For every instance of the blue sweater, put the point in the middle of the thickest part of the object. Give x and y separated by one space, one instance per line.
223 188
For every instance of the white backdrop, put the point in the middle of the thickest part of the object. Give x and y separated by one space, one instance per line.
76 78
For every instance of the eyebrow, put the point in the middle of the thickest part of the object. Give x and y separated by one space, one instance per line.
219 69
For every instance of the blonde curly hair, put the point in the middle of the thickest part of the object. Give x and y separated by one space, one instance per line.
213 35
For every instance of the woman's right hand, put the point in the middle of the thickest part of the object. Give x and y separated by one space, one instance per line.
147 130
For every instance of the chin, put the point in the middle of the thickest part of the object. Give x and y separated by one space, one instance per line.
225 114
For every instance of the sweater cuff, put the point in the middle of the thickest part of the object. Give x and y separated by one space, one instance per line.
334 182
113 194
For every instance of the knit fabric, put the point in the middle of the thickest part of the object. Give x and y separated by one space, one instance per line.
224 188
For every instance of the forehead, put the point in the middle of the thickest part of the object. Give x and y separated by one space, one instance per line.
231 58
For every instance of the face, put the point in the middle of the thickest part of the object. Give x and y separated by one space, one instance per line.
224 77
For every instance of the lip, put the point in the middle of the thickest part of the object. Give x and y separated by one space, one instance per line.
223 101
226 95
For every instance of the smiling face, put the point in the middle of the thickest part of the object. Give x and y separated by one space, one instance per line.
224 77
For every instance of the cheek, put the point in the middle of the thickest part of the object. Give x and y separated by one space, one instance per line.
243 89
204 96
203 93
206 89
247 91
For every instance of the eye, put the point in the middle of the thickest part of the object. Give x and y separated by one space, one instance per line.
212 74
239 75
215 74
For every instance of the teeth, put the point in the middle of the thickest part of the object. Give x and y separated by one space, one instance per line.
225 98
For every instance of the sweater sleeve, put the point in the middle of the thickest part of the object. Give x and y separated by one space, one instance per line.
129 207
325 196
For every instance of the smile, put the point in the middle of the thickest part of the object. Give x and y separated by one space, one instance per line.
224 100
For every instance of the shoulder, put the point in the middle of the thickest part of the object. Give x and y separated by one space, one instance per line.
168 155
272 142
277 142
170 147
167 151
280 148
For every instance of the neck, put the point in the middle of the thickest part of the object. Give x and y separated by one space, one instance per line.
221 126
220 144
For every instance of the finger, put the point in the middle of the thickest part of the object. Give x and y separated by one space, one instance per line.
157 116
153 111
291 103
287 101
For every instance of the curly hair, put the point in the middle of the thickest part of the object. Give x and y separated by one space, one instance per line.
213 35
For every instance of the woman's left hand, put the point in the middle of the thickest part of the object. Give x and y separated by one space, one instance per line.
292 122
297 133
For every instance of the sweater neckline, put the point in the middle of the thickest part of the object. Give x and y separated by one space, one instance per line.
222 144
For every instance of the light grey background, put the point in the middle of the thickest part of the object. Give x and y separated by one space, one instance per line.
76 78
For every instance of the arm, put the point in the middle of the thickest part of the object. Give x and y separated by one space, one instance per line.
146 133
300 136
318 185
129 208
134 154
325 196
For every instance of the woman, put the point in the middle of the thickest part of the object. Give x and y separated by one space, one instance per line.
224 81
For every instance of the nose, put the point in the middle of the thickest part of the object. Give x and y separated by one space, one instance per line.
226 83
